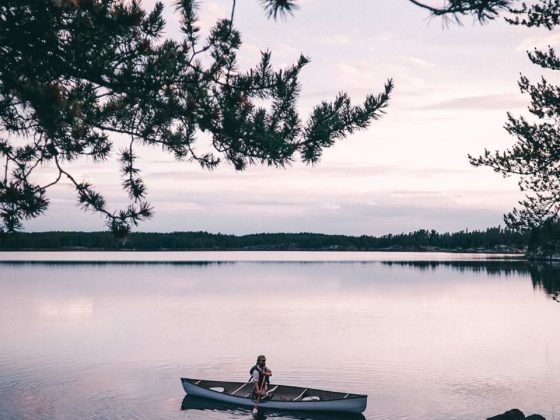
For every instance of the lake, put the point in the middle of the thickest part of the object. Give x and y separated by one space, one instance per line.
426 336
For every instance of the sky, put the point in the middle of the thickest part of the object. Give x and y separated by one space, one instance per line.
454 85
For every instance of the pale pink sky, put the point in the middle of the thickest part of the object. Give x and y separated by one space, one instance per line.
408 171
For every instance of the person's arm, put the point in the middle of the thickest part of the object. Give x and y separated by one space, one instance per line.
255 378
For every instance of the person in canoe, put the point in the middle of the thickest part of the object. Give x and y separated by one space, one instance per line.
260 375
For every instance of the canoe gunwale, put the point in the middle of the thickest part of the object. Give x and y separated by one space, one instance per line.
350 397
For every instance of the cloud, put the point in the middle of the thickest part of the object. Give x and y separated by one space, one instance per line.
230 210
354 218
539 41
333 170
483 102
411 73
418 62
336 40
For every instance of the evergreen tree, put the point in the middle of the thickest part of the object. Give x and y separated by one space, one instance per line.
535 157
86 78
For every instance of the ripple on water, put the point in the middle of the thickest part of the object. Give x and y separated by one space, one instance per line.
25 397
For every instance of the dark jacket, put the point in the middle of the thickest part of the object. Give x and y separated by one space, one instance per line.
261 374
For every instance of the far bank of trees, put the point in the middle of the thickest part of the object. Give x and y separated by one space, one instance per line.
492 239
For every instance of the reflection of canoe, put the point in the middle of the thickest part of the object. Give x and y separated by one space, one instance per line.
283 397
191 402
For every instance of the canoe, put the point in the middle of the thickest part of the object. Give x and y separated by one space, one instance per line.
283 397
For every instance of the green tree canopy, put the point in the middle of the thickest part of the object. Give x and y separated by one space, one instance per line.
95 78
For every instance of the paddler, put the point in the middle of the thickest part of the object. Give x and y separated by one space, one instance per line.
260 375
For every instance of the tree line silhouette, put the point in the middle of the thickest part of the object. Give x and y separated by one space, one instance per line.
492 239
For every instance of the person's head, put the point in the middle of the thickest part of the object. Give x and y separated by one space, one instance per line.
261 361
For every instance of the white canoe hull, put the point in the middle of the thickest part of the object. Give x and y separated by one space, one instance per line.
352 404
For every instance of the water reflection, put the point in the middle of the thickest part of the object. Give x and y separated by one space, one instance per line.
202 404
87 262
67 308
544 276
425 340
547 277
486 267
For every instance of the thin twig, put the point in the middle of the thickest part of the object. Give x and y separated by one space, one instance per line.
130 178
6 169
425 6
232 15
78 185
52 183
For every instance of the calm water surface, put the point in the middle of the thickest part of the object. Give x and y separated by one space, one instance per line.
426 336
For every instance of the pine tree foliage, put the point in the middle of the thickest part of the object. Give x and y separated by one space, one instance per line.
95 78
535 156
275 8
543 240
482 10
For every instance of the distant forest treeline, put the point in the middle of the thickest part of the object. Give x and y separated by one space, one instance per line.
492 239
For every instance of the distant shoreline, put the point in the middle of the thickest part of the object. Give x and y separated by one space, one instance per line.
491 241
411 250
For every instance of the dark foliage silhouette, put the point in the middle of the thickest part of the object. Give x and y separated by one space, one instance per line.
95 78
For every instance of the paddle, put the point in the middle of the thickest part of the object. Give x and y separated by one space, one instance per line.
256 409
